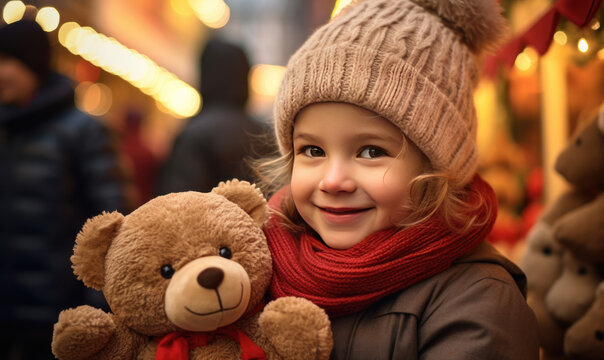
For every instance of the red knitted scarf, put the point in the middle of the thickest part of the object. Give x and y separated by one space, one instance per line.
346 281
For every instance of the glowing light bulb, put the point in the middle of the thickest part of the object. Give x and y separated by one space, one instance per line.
596 25
213 13
13 11
560 38
582 45
64 31
48 18
523 61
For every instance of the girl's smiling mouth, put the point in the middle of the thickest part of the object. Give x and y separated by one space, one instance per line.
342 215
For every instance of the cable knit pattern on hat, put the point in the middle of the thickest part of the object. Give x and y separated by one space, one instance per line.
402 61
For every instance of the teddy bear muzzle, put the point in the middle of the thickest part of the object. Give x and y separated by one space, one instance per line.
207 293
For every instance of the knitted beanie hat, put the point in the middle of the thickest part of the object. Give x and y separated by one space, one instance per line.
410 61
27 42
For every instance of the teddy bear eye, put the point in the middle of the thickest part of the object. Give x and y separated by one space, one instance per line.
225 252
578 141
547 250
166 271
599 335
582 270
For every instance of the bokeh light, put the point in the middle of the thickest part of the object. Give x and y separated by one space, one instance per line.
48 18
560 37
526 60
181 7
213 13
107 53
13 11
582 45
265 79
93 98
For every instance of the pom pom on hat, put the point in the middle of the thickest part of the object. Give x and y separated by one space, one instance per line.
27 42
409 61
479 23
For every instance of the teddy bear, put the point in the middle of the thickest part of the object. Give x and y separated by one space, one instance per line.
585 338
582 164
186 276
542 264
563 247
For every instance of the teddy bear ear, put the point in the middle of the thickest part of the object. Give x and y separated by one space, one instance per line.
247 196
91 246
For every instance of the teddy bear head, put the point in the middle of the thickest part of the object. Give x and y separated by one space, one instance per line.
573 292
581 163
542 261
183 261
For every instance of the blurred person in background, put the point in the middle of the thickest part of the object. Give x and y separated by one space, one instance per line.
58 169
214 145
140 162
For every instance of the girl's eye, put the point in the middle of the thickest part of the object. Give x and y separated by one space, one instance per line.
313 151
371 152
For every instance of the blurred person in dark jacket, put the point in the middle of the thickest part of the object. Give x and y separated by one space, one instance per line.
215 145
58 168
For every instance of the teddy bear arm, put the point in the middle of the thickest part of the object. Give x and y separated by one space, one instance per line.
585 338
81 332
296 329
86 332
566 202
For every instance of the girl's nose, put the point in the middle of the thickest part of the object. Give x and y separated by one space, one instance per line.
337 178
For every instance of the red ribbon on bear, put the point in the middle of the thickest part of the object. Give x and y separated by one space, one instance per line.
176 345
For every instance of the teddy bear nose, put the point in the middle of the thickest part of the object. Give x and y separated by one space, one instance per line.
210 278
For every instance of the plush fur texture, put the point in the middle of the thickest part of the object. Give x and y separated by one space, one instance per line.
585 339
572 231
163 258
581 163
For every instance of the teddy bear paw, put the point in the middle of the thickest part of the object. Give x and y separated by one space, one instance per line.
297 328
81 333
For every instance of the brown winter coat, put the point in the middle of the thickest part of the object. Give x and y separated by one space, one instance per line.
474 310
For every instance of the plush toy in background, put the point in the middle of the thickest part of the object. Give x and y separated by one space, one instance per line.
568 240
585 339
185 276
582 230
542 264
574 291
582 164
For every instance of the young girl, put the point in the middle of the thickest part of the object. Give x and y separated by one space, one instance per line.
380 217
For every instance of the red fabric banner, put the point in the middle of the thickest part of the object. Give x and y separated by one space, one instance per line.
540 34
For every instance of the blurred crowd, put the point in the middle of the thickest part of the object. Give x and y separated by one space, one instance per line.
61 166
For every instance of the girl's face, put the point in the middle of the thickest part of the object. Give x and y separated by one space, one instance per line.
350 175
